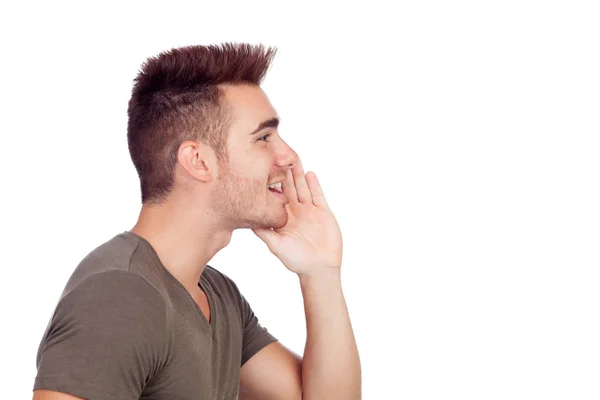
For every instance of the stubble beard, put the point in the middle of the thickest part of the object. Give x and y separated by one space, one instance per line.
245 204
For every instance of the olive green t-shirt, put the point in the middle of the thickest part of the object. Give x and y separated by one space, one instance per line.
125 328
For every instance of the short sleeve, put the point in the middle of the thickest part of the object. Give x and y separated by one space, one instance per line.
255 336
106 339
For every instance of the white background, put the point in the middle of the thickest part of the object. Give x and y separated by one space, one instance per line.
457 142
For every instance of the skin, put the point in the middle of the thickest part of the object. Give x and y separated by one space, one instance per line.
210 200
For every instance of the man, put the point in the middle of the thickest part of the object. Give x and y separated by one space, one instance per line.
143 315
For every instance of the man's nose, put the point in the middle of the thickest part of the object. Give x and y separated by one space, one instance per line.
287 157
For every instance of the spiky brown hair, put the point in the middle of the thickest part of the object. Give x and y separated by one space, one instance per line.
176 97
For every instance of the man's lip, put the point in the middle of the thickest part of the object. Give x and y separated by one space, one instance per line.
281 194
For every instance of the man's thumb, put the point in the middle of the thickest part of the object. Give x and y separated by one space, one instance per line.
267 235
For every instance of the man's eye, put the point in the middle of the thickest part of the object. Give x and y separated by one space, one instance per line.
264 138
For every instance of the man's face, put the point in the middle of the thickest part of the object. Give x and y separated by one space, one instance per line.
258 156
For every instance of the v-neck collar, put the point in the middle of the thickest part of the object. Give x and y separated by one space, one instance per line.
202 283
207 289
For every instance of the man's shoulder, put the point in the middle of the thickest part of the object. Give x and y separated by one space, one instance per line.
113 254
115 287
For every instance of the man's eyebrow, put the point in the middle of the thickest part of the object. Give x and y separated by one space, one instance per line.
270 123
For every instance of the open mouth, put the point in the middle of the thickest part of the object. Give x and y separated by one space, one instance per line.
275 187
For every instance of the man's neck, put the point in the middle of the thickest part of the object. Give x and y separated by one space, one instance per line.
184 242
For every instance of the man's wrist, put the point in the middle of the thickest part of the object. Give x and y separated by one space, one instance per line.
322 275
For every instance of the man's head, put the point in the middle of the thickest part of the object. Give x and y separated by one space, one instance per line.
192 115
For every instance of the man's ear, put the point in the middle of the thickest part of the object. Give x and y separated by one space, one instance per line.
198 160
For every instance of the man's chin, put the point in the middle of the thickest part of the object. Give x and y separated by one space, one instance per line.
274 222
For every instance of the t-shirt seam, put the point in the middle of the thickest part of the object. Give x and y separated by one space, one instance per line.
143 277
137 246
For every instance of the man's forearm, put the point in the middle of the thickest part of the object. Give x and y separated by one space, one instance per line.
331 364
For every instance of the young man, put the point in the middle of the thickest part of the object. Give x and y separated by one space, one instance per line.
143 315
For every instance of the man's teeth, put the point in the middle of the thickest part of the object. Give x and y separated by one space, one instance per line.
276 186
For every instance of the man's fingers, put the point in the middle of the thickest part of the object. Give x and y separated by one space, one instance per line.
289 189
302 189
318 198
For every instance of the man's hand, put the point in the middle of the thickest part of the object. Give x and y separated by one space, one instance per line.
311 242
